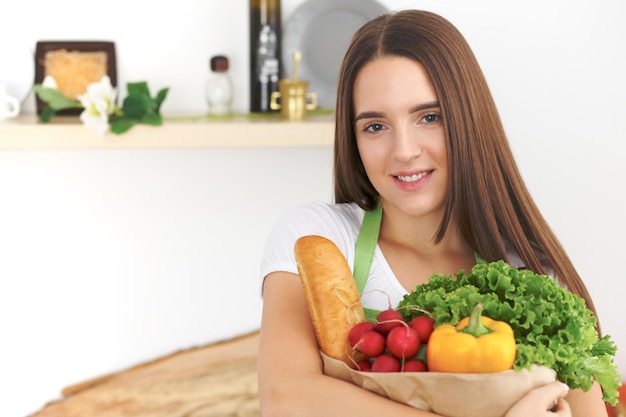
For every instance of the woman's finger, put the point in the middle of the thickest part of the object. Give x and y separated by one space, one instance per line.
562 408
554 392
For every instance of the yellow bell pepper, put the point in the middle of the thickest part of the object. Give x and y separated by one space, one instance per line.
476 345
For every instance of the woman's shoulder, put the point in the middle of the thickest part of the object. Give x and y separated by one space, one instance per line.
339 223
321 209
322 218
326 207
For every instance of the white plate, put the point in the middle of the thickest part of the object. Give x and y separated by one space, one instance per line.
17 71
322 31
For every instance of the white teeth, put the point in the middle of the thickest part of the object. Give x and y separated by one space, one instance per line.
412 178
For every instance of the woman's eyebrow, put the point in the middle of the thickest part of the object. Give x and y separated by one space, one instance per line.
373 114
368 115
424 106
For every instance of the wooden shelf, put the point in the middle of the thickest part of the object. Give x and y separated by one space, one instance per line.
27 133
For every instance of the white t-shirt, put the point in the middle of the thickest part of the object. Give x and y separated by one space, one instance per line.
341 224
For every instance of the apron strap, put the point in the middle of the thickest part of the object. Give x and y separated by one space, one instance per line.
366 245
479 259
364 252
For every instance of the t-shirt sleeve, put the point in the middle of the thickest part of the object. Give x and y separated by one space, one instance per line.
316 218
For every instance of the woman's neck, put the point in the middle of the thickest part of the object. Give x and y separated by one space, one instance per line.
410 249
418 232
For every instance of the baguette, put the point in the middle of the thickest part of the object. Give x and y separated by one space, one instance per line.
331 293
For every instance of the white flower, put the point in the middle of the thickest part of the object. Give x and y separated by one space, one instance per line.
98 102
49 82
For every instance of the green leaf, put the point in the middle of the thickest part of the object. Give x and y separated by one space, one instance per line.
55 98
604 371
153 119
139 88
122 124
46 114
160 97
604 346
136 106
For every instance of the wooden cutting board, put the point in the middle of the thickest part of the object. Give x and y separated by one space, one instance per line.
217 380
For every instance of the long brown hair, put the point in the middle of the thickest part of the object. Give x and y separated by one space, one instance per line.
486 191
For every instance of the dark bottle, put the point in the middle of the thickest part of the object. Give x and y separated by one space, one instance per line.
265 52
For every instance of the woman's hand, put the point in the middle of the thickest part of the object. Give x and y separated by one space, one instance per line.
547 400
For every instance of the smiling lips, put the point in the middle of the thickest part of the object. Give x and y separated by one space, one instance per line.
414 177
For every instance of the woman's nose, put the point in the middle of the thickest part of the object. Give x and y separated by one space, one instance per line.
406 145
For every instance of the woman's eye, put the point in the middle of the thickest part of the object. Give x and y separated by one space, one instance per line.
374 127
431 118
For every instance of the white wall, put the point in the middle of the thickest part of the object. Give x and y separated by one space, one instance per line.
110 258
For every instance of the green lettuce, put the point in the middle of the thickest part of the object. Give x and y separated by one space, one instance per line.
552 326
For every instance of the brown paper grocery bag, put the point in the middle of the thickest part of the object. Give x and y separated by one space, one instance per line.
452 395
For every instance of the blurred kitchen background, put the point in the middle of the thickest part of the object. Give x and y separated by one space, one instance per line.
116 257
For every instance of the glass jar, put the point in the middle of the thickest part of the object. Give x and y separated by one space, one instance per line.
219 89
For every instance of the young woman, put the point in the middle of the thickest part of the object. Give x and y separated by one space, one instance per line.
417 132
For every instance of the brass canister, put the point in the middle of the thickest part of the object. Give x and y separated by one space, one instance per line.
294 99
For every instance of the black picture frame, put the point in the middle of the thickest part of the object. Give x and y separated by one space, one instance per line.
44 47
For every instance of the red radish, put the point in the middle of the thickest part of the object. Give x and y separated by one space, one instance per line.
357 331
387 320
414 365
403 342
386 363
424 326
371 344
364 365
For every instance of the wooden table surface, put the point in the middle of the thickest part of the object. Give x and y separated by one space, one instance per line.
210 381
